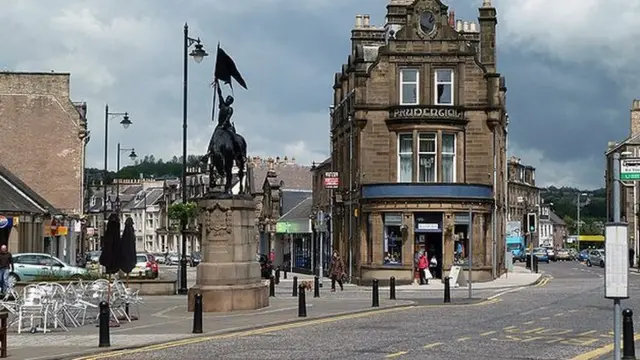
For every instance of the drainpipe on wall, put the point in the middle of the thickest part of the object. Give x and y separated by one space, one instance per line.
350 198
494 223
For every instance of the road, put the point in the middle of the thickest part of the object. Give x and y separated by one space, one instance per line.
559 319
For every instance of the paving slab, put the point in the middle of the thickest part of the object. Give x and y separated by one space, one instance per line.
164 319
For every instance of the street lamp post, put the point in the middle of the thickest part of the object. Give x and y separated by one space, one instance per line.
578 206
132 156
125 122
198 54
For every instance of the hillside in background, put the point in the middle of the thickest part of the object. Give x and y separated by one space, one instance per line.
593 213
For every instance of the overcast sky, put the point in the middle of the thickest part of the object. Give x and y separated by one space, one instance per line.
571 69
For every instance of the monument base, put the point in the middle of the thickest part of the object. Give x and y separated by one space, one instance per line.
227 298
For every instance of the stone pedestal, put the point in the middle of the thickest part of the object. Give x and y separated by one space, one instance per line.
229 275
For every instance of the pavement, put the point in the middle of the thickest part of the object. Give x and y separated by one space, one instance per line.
165 319
563 316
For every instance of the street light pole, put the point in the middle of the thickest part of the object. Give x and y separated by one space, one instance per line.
578 206
125 122
198 54
132 156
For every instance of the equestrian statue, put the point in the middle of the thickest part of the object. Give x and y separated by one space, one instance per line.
226 147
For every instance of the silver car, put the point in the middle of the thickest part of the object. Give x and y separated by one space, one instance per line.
596 257
31 266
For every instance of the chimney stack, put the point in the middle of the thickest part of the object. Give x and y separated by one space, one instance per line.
465 26
486 4
366 21
358 21
635 117
452 19
459 25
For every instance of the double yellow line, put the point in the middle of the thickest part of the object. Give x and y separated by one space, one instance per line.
543 282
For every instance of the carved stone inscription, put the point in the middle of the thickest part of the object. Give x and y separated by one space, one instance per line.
217 220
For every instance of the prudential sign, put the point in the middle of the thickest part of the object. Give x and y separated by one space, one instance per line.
630 169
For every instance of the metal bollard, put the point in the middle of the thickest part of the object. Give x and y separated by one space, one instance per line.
392 288
272 286
104 337
375 295
302 302
316 287
447 290
277 276
295 286
285 274
197 314
628 342
535 264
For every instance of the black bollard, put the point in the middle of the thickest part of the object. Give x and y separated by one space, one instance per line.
628 342
197 314
535 264
295 286
126 309
285 273
302 302
277 276
104 337
392 288
316 287
272 286
447 290
375 295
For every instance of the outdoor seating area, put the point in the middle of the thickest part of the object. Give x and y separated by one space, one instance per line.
49 306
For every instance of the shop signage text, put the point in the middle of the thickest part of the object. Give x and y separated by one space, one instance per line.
331 180
426 112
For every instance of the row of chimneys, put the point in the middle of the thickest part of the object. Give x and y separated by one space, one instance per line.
258 160
363 21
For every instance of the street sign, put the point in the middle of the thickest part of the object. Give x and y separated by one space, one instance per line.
331 180
630 169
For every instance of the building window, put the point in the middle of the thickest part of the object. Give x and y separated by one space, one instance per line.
409 88
369 239
392 247
448 158
405 157
444 87
427 157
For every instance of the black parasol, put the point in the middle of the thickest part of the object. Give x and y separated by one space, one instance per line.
128 247
110 256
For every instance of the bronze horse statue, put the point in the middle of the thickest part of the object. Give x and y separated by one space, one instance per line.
226 147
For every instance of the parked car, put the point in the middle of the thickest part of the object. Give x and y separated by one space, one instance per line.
596 257
172 259
196 258
551 253
583 255
146 266
266 268
564 255
541 254
30 266
160 257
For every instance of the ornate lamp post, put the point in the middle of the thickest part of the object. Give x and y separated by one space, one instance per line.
198 54
132 156
125 122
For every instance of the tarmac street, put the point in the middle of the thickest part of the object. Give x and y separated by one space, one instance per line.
564 316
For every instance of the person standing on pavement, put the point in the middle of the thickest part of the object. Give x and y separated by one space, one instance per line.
423 264
6 263
632 253
336 269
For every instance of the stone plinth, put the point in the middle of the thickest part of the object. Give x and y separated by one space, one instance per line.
229 275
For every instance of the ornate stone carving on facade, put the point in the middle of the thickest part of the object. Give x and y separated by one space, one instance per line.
217 220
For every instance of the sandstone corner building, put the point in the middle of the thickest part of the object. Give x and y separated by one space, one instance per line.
418 134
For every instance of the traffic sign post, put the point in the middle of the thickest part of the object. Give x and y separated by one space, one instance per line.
630 169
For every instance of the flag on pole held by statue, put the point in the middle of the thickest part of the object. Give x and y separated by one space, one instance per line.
226 69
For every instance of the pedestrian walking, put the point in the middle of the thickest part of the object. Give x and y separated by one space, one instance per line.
6 264
423 264
632 254
336 269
